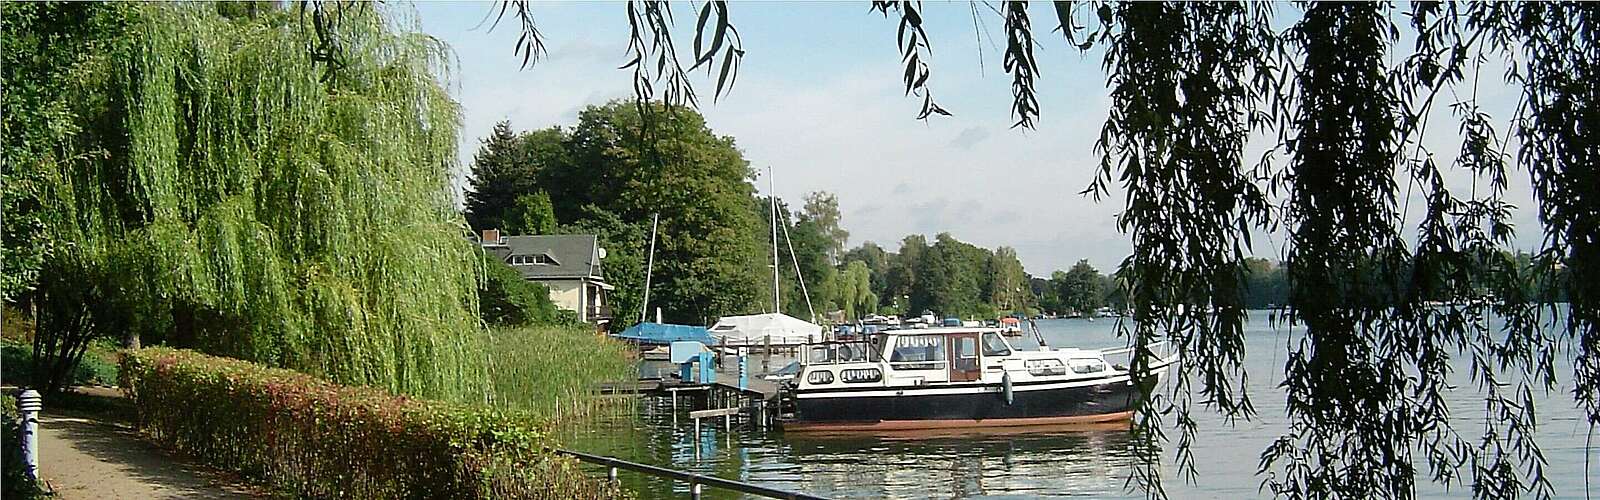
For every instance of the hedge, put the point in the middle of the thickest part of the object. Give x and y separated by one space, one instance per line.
316 439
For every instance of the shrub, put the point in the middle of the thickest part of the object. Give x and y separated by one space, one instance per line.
318 439
96 368
505 298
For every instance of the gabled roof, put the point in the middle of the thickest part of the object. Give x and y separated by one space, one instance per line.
568 256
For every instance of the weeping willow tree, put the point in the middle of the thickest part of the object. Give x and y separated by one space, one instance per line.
1342 107
238 187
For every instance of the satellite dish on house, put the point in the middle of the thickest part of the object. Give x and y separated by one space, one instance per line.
602 252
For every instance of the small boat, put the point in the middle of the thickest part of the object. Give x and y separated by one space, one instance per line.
954 378
1010 326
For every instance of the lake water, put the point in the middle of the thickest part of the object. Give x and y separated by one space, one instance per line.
1032 462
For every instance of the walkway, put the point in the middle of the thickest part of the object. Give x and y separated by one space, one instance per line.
85 458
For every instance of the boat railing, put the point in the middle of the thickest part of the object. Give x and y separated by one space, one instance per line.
695 481
918 365
1162 351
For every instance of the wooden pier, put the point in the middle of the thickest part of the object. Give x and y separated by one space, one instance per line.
757 403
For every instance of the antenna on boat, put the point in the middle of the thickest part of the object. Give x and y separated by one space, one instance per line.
650 264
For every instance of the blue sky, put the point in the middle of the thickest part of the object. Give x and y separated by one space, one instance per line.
819 100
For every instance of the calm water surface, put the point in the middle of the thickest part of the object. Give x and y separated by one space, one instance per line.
1030 462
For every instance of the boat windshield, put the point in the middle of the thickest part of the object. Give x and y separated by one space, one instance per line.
993 345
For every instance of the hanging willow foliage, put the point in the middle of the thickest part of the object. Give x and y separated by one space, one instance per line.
1347 382
1558 67
1184 106
1366 385
248 206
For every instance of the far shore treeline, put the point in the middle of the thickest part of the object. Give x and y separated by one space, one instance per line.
614 169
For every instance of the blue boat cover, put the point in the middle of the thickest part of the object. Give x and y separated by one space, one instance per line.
665 334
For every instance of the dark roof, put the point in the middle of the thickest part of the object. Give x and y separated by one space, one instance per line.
573 255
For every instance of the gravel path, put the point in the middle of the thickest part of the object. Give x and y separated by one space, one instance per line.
89 459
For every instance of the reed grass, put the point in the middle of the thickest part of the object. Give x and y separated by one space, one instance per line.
554 372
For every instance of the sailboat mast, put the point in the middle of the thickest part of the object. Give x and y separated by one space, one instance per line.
797 276
650 264
773 197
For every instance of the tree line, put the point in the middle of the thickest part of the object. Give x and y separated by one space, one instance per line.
616 168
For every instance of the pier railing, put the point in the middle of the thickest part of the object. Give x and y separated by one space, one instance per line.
695 481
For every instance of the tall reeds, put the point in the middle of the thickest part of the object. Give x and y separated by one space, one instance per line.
554 372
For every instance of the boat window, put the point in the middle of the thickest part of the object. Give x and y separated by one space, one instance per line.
993 345
966 347
861 375
918 352
820 377
918 348
820 355
1088 365
1042 367
854 352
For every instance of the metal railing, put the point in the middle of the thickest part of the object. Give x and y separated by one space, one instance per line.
696 481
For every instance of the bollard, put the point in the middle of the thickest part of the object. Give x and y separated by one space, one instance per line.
612 474
29 405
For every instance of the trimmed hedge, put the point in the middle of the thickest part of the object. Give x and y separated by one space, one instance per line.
318 439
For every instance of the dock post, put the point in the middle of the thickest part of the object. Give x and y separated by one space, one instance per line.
612 474
727 422
697 434
694 491
744 369
29 405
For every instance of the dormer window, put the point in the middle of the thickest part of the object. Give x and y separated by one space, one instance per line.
532 260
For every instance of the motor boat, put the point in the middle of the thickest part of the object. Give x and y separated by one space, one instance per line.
958 377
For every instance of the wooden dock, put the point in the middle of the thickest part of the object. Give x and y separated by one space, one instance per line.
757 402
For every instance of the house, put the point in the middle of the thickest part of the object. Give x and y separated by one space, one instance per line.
567 264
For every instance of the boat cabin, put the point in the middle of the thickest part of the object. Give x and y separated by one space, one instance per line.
938 356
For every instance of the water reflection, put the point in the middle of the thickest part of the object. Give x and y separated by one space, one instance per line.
1030 462
955 463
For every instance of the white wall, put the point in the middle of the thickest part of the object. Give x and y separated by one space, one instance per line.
567 294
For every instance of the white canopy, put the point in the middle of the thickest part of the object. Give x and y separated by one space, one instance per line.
756 329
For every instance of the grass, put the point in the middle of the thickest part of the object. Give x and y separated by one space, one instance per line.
554 372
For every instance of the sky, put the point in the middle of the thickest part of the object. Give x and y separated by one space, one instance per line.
820 101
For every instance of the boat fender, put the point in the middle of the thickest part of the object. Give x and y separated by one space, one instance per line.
1005 387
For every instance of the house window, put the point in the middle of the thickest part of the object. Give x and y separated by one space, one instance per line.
525 260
